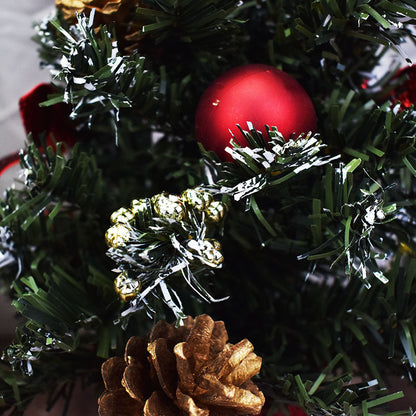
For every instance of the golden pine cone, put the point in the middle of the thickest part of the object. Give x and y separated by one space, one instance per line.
105 7
178 371
121 12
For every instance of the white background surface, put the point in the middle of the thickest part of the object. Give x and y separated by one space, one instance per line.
19 72
19 69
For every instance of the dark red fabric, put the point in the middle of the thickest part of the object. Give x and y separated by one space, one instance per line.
8 161
53 121
405 92
291 410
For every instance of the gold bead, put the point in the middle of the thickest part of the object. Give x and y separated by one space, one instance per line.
117 235
216 211
212 252
138 205
197 198
168 206
122 216
209 251
126 287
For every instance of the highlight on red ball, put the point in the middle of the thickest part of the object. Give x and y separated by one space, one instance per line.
256 93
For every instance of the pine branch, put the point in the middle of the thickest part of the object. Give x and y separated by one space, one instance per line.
354 237
265 165
61 279
204 26
341 227
374 22
162 238
154 82
332 394
344 41
99 82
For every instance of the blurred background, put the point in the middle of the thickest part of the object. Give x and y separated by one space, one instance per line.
19 69
19 72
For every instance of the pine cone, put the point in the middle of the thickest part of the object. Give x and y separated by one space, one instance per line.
120 12
103 7
178 371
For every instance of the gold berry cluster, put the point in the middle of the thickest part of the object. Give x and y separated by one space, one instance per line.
194 203
166 206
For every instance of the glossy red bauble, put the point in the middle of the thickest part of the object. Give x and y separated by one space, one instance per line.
260 94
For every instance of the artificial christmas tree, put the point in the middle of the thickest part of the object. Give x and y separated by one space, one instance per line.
305 245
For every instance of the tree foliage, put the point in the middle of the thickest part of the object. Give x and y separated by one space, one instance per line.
319 238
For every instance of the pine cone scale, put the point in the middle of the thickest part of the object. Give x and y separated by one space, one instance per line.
220 364
161 330
164 363
118 403
188 405
248 367
219 337
112 372
136 348
186 377
199 340
241 351
158 405
136 382
183 372
231 397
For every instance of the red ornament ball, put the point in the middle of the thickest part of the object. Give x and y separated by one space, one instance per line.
255 93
